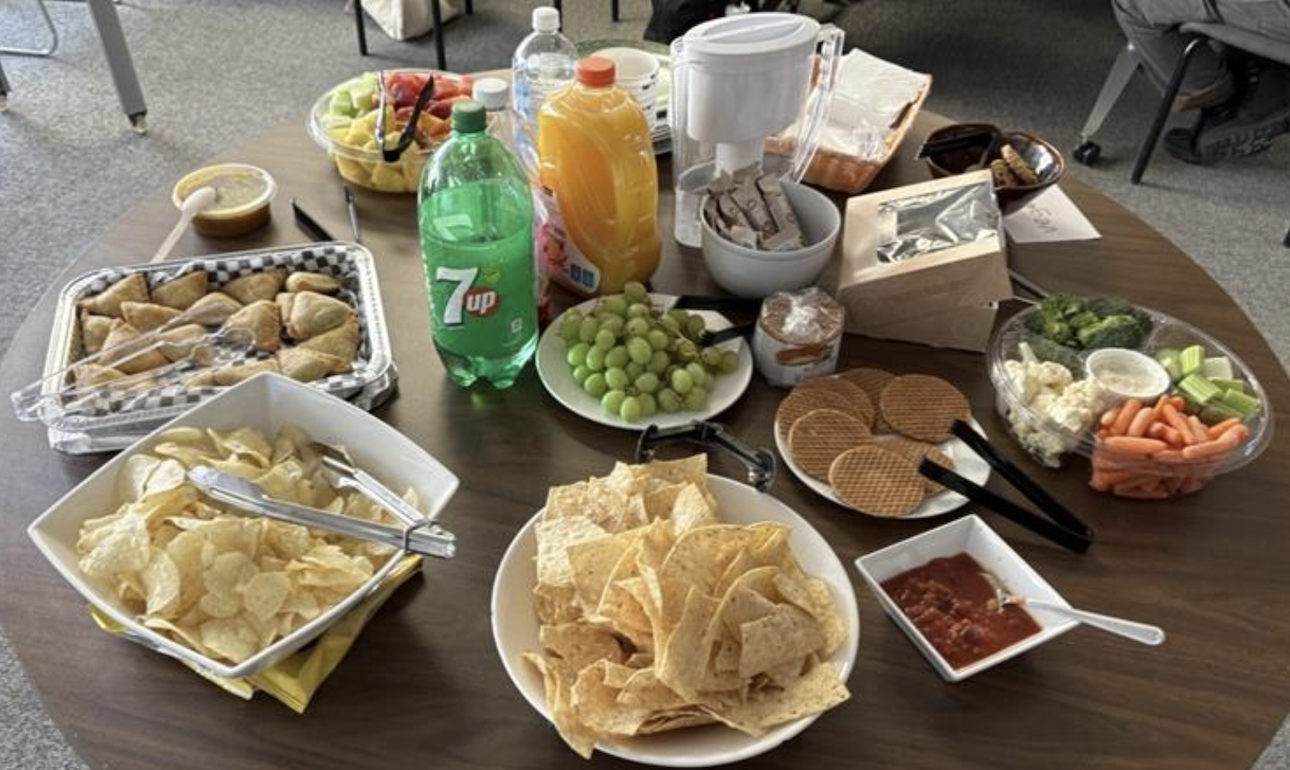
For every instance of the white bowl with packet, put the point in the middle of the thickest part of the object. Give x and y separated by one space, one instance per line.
516 631
266 403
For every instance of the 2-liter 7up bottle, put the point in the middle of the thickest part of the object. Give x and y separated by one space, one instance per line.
476 219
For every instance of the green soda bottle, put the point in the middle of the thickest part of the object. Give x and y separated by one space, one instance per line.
476 220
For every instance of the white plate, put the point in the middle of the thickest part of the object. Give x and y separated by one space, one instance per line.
515 631
557 377
970 535
967 464
265 402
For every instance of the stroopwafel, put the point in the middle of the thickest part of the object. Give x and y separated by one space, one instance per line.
923 407
876 481
817 438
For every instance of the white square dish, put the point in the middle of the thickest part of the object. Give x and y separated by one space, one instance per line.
265 402
970 535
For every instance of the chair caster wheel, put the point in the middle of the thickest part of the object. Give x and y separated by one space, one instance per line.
1088 152
139 123
4 103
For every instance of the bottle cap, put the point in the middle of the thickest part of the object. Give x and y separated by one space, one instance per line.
468 117
493 93
596 71
546 19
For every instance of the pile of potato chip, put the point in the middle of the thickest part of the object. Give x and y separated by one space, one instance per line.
656 616
227 584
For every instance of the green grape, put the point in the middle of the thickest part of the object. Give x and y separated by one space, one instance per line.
636 327
648 405
639 350
615 304
698 374
638 310
595 385
602 316
569 323
634 291
658 362
647 382
616 378
668 401
614 324
694 326
711 357
612 401
630 410
667 373
729 362
596 359
605 339
681 381
679 316
617 357
581 373
670 325
587 330
696 400
657 339
633 370
577 354
687 351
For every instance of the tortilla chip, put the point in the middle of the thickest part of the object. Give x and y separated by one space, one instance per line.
787 633
817 691
554 540
581 645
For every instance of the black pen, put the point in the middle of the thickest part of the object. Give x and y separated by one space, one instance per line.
352 206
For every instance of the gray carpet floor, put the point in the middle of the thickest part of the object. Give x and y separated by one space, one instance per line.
219 72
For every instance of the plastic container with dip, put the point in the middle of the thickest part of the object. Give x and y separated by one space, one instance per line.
242 197
1128 373
798 335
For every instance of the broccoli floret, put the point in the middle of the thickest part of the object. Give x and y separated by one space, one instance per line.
1145 324
1061 306
1109 306
1117 331
1083 319
1047 350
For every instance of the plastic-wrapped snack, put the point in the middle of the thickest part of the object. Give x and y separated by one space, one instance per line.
798 336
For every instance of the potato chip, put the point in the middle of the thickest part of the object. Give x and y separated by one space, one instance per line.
161 583
264 594
133 478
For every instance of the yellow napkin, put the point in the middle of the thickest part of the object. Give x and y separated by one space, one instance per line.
294 680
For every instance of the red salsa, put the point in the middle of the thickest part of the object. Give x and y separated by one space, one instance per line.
954 606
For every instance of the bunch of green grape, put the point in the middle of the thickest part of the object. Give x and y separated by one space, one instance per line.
639 361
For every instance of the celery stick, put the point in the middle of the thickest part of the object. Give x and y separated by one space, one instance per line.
1216 412
1168 358
1226 384
1247 405
1191 359
1198 389
1217 368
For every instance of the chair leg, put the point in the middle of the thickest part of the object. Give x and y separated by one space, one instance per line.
436 15
1166 105
470 7
1122 71
1286 241
124 76
49 48
613 10
360 27
4 90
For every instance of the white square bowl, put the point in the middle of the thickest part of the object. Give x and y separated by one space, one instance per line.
265 402
970 535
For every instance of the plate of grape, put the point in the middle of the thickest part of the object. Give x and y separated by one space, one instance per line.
630 360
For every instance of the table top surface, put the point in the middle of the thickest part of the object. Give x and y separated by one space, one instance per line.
424 683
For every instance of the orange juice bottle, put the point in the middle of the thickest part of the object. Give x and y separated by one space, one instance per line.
598 208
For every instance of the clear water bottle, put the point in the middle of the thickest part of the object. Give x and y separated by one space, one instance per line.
495 96
475 215
543 63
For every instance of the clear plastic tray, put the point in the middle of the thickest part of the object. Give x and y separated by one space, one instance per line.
1062 443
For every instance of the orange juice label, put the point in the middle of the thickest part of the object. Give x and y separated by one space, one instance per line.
559 258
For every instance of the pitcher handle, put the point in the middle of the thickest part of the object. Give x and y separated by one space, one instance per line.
830 42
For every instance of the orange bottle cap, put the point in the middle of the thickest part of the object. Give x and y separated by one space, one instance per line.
596 71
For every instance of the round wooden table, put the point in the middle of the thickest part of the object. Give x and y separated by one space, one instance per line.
424 686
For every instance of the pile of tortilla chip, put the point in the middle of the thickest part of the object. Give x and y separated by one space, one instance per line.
227 584
656 616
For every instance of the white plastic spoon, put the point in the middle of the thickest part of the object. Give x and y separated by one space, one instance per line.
194 204
1129 629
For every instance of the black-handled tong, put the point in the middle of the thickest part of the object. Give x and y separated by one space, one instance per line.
708 339
719 304
710 435
391 155
1061 526
309 224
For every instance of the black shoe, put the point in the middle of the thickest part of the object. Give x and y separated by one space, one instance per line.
1245 128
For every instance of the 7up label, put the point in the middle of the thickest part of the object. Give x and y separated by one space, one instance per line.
476 310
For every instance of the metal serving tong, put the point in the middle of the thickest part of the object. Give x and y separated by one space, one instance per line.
1061 526
57 396
418 534
710 435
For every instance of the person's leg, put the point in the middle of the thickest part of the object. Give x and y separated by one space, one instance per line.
1152 27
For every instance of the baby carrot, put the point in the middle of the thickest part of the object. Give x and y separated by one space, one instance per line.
1177 402
1108 418
1138 425
1157 430
1217 430
1160 405
1179 424
1172 436
1125 416
1198 429
1235 435
1140 491
1206 449
1134 445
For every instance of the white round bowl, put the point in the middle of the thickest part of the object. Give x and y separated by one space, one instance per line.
749 272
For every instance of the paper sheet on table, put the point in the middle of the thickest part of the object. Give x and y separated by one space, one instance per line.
1050 217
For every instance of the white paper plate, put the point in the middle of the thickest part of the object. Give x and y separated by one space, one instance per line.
515 631
557 377
967 464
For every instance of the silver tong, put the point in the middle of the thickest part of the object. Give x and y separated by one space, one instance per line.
419 534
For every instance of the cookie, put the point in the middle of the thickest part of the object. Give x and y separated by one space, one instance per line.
876 481
848 390
923 407
1003 176
916 452
1018 165
817 439
871 381
801 401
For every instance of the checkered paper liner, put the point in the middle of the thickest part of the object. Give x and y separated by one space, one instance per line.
114 420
